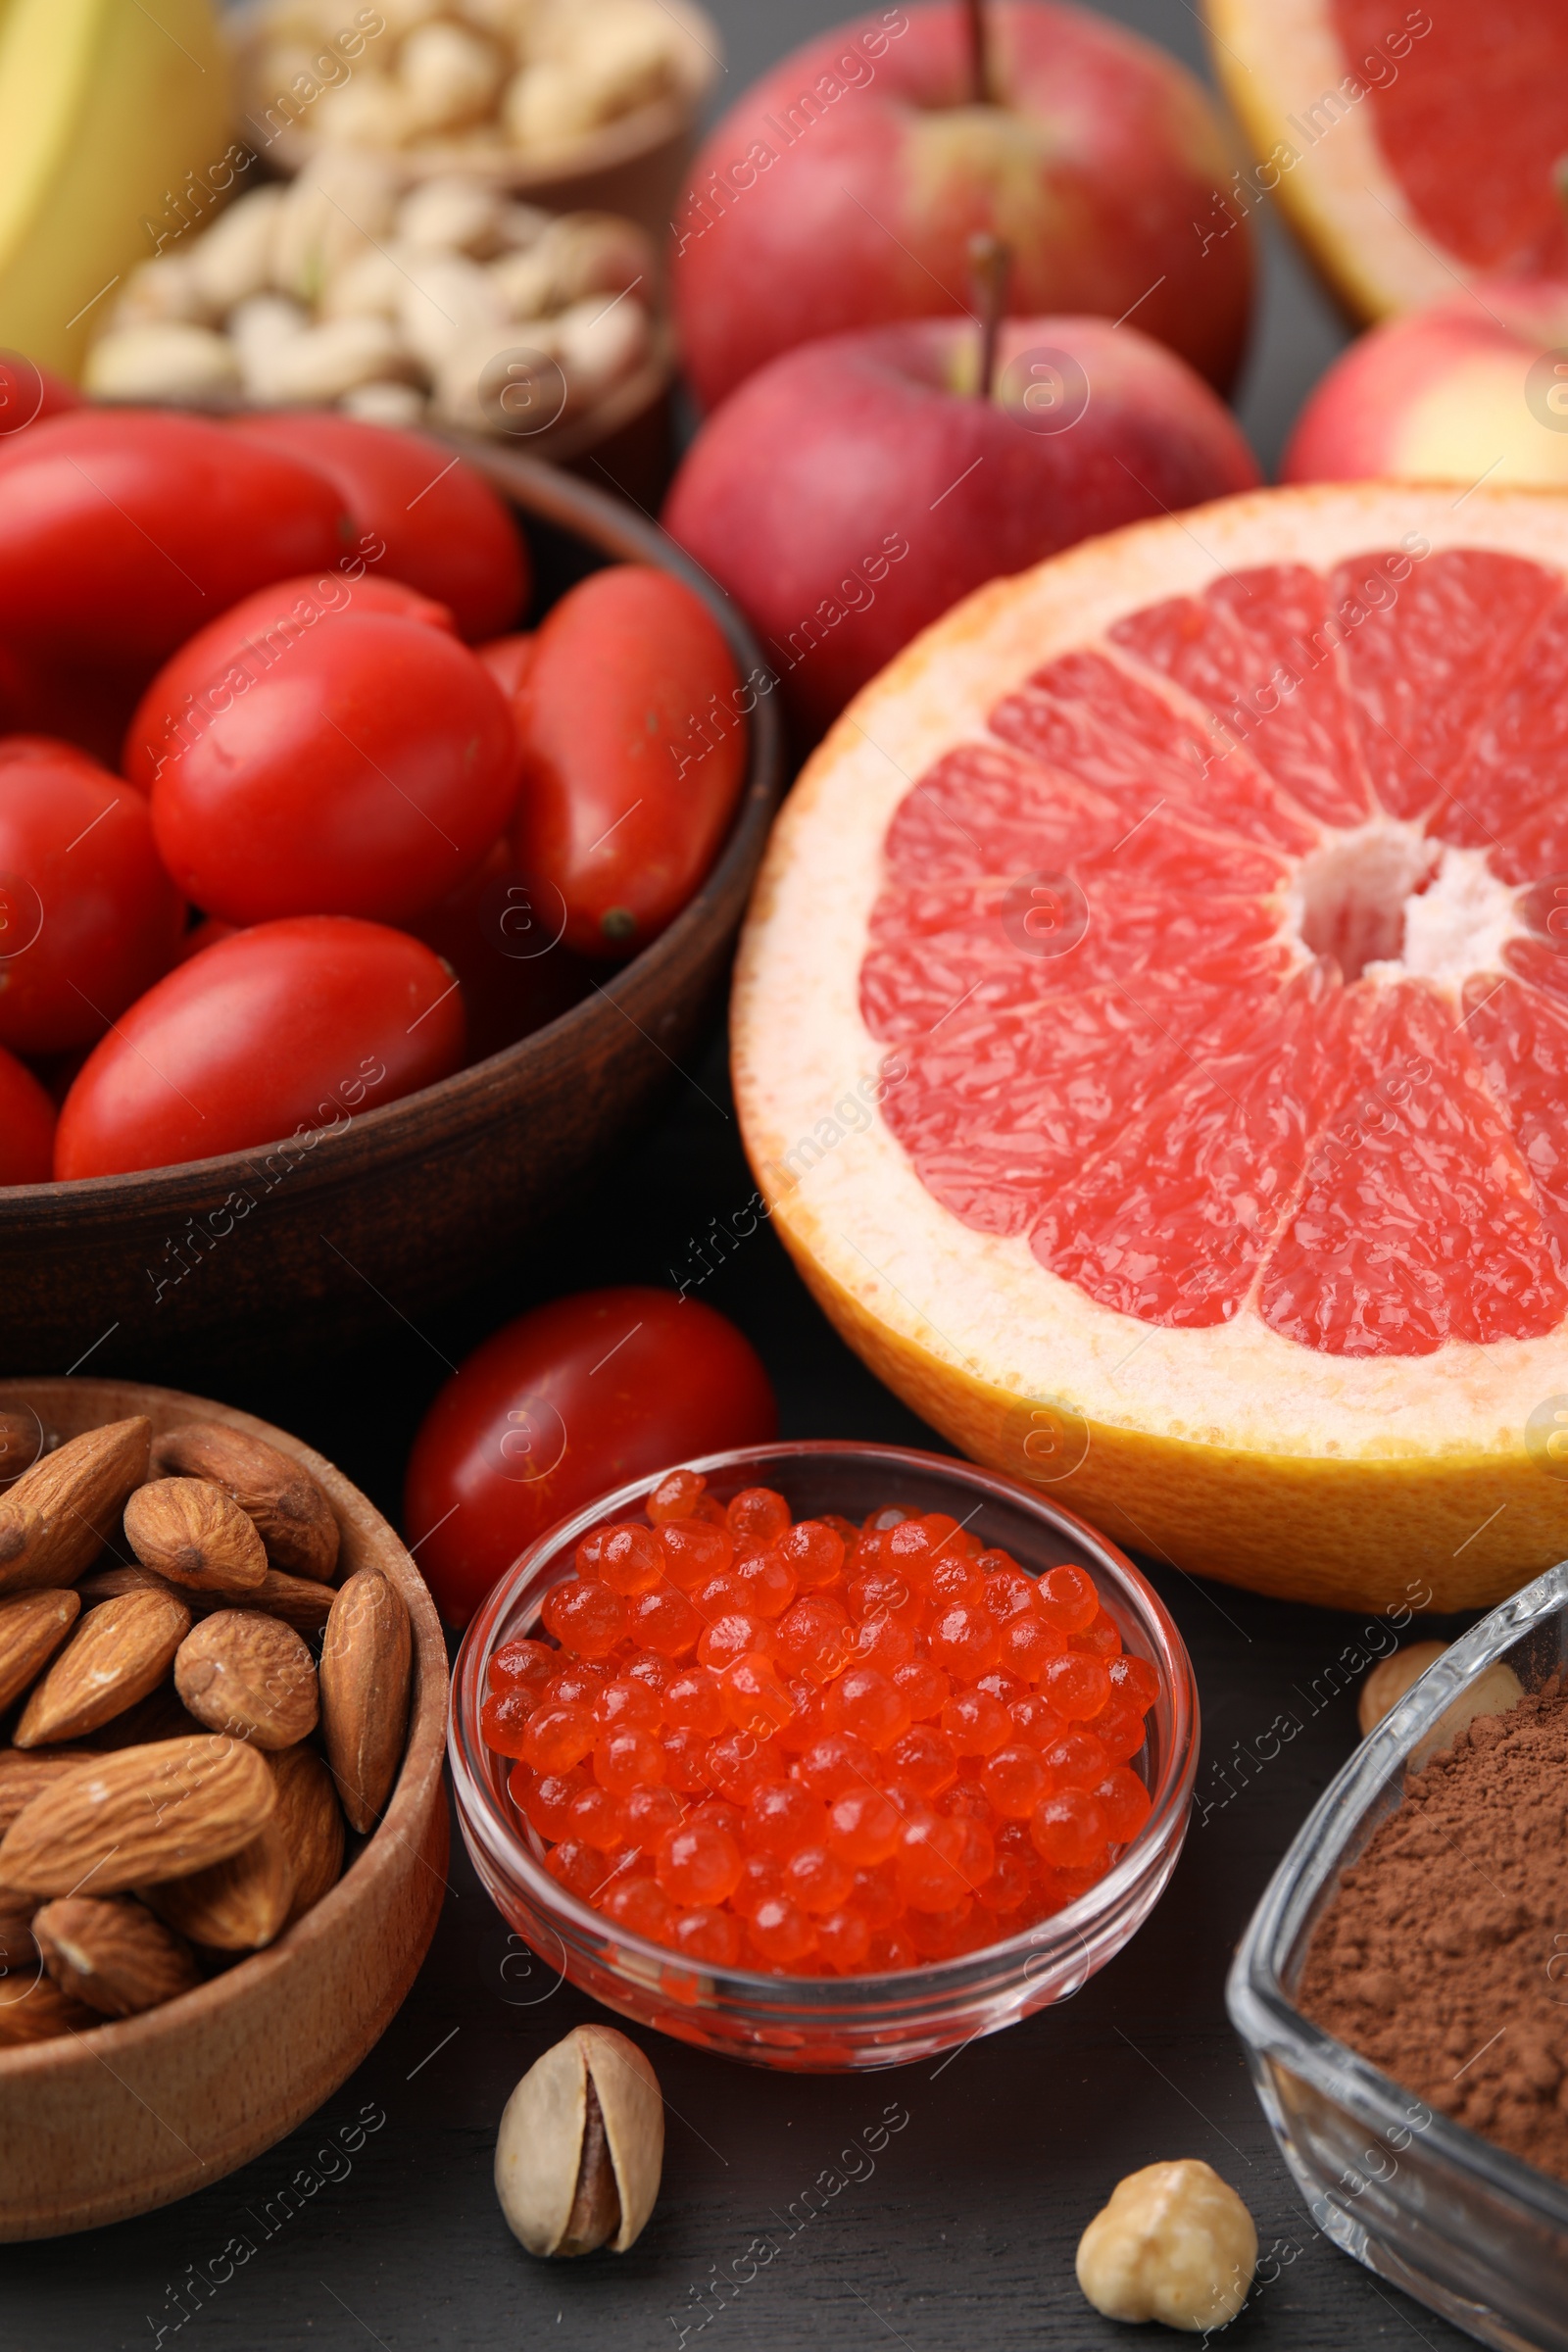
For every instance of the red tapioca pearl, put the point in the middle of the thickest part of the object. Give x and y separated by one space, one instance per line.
642 1907
781 1815
721 1815
1071 1883
542 1797
697 1863
812 1637
863 1826
781 1932
1035 1720
761 1877
504 1720
967 1800
757 1515
816 1878
941 1860
628 1558
1007 1885
924 1759
576 1686
955 1579
736 1635
1134 1678
1047 1894
710 1512
975 1722
868 1551
1029 1642
870 1704
625 1706
1068 1828
835 1763
813 1550
942 1934
1101 1640
713 1938
718 1596
693 1552
675 1497
965 1639
876 1893
843 1938
1119 1729
883 1591
595 1817
738 1762
521 1665
808 1723
893 1952
1015 1779
647 1813
1125 1803
885 1641
665 1621
650 1667
579 1868
1007 1591
695 1702
925 1688
557 1737
768 1583
1076 1687
993 1560
627 1760
585 1616
1076 1760
1002 1684
1067 1597
755 1698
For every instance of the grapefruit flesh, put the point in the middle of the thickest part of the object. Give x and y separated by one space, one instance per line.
1410 147
1204 952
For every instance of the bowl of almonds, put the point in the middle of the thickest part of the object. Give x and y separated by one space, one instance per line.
223 1838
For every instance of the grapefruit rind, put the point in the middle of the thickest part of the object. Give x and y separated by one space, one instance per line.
1230 1449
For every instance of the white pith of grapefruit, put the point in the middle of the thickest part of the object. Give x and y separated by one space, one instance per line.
1360 1478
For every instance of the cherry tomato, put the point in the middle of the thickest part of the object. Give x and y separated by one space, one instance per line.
567 1401
515 974
27 1125
509 660
443 527
31 748
625 796
368 772
29 393
122 531
233 652
290 1025
89 917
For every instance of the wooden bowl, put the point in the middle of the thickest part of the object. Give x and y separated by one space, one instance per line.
279 1249
101 2125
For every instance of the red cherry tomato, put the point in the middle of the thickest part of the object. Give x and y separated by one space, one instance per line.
233 652
567 1401
289 1026
31 748
122 531
626 795
29 393
367 773
89 917
515 974
443 527
27 1125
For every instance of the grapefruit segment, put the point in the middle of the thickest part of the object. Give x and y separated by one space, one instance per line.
1227 1139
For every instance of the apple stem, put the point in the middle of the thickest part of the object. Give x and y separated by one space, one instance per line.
990 264
980 90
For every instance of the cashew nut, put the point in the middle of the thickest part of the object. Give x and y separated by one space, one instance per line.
234 259
445 298
1175 2243
160 361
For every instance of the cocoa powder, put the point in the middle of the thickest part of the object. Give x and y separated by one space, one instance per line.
1443 1955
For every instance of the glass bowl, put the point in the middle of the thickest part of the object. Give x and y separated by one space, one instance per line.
1467 2228
829 2024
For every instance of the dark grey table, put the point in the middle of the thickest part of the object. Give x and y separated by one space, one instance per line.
962 2235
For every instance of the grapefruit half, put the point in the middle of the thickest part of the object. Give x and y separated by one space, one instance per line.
1150 1036
1411 147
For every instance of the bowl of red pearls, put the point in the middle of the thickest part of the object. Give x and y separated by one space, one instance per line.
824 1755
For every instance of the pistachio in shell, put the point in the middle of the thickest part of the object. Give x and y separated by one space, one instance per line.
581 2145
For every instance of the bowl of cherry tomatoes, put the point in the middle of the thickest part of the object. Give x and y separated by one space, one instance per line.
376 817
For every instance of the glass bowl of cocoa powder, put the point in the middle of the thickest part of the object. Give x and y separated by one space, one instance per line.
1403 1988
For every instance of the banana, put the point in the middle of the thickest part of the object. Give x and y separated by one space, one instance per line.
113 124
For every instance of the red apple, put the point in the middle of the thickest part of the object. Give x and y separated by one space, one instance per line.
1473 387
844 187
853 490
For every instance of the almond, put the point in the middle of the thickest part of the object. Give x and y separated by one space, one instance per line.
25 1776
32 1626
238 1904
118 1652
36 2010
114 1955
292 1515
141 1814
57 1517
311 1821
19 1946
366 1662
298 1600
250 1675
110 1583
191 1532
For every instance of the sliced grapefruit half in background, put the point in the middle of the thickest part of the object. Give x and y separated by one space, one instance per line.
1150 1036
1414 148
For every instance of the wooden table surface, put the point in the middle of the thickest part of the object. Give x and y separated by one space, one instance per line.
377 2221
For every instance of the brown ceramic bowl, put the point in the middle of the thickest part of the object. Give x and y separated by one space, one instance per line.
100 2125
274 1251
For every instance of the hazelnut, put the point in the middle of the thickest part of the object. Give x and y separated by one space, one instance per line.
1175 2243
581 2145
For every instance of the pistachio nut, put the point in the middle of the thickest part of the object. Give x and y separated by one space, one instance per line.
581 2145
